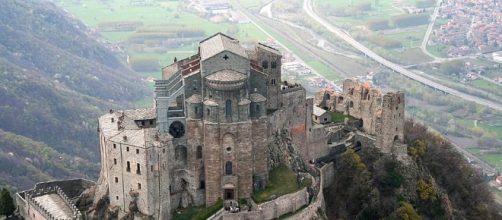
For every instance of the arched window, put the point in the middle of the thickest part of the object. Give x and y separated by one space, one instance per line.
199 152
228 108
228 168
264 64
351 104
180 153
273 64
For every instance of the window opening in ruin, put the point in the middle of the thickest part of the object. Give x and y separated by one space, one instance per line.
196 110
115 161
228 108
228 168
151 168
264 64
396 138
142 123
225 57
257 109
128 168
127 149
114 146
180 153
272 81
202 184
137 151
139 185
138 169
273 64
199 152
229 149
351 104
116 179
113 120
117 197
208 112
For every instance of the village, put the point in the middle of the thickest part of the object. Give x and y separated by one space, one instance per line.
473 26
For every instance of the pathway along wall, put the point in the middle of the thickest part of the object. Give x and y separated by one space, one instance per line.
290 203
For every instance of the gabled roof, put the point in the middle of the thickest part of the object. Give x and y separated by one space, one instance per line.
318 111
219 43
141 114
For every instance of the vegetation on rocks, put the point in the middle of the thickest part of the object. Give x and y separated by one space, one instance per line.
436 183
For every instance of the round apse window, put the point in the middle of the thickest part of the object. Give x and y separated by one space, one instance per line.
177 129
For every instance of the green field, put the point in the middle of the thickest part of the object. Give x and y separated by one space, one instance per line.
494 159
324 70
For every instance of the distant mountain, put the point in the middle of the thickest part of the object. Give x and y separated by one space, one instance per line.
54 82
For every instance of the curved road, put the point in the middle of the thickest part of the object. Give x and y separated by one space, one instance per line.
307 7
423 46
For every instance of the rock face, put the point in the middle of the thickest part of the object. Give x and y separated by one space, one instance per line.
283 151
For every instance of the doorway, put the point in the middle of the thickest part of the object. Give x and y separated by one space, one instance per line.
229 194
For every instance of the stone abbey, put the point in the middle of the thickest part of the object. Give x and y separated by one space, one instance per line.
207 138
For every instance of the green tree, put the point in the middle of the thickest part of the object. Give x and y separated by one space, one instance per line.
426 191
405 212
6 203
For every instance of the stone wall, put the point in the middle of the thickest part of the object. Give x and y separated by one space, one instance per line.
317 142
311 212
30 209
294 115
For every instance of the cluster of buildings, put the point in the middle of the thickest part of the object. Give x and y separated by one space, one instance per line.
473 26
208 137
217 11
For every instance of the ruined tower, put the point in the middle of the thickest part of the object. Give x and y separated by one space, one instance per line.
390 124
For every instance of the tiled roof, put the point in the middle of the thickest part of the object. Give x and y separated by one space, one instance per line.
318 111
195 98
141 114
256 97
226 76
219 43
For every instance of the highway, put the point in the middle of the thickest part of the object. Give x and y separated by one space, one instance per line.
308 8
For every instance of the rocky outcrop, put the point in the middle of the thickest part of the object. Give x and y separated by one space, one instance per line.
282 150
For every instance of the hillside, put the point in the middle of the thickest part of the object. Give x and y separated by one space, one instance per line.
54 82
437 183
